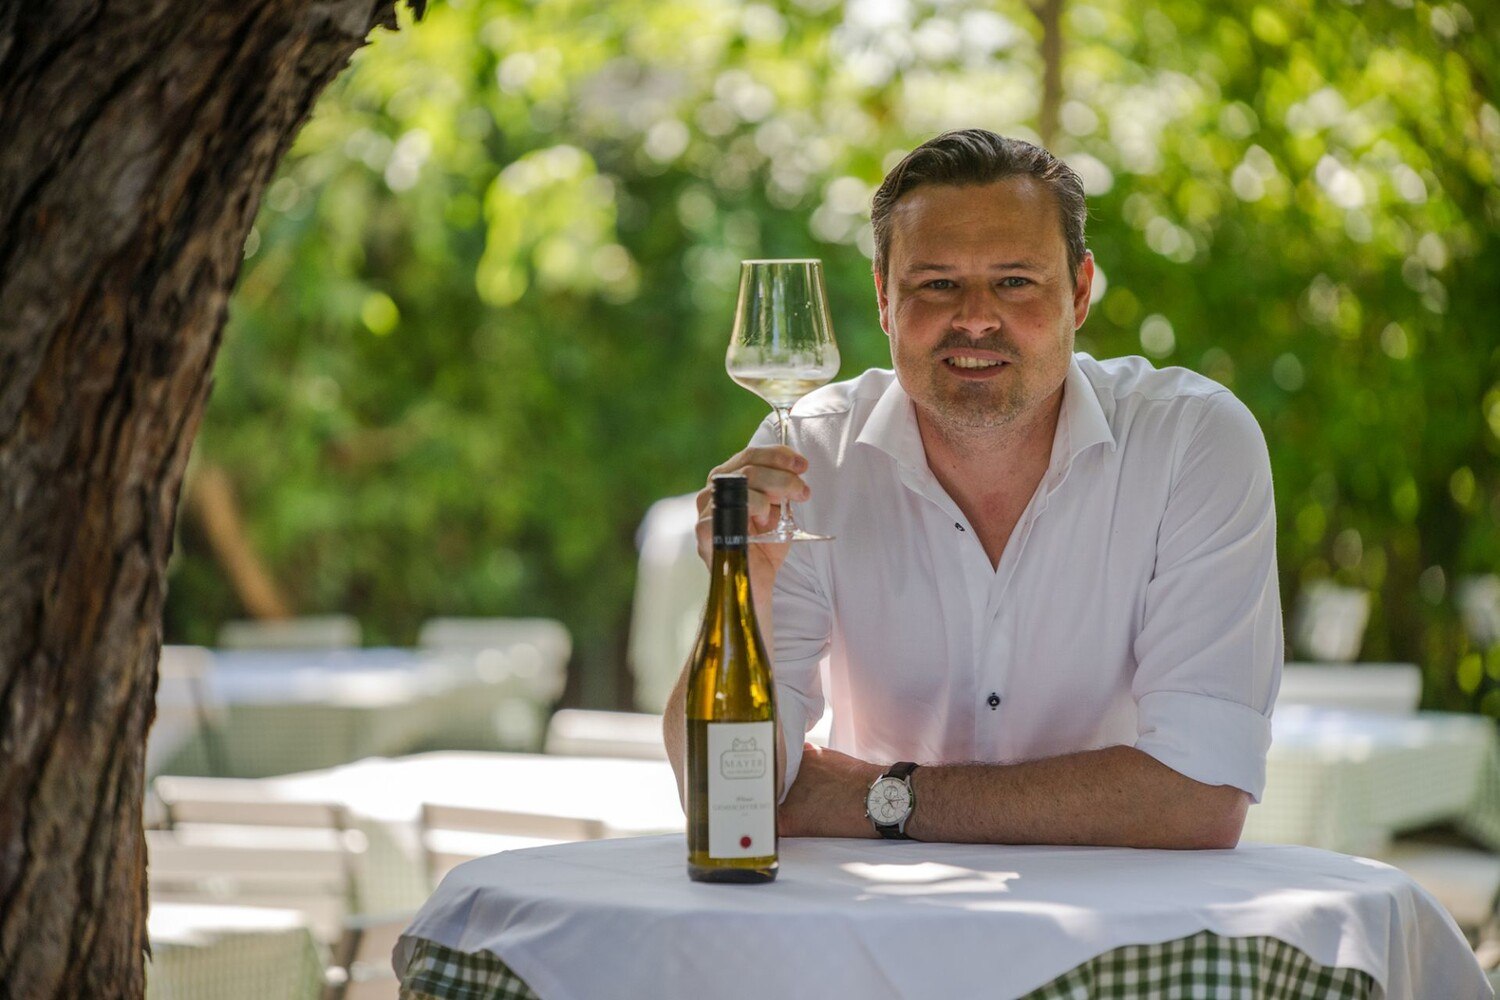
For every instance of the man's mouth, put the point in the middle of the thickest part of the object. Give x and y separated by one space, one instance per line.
973 363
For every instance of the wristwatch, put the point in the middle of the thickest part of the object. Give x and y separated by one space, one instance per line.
890 801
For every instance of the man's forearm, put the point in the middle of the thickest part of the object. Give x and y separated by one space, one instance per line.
1117 796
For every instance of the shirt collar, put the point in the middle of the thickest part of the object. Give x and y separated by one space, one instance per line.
892 426
1082 415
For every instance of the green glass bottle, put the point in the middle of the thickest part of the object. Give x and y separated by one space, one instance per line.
732 751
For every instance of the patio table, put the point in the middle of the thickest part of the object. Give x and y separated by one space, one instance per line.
385 796
878 919
294 710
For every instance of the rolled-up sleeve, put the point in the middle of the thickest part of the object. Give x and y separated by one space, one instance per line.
1209 651
803 626
803 623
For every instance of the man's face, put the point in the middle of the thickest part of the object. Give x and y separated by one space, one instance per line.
978 302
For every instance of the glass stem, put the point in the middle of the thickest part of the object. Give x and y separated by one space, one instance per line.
787 525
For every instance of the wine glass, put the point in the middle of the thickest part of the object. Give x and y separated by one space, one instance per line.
782 349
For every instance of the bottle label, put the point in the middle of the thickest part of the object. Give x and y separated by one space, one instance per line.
741 789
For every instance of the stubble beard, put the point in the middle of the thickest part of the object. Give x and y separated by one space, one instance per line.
966 410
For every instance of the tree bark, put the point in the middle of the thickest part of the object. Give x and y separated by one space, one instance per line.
135 142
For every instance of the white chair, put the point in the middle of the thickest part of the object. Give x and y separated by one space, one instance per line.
188 715
1329 622
452 835
522 663
670 586
1466 881
581 733
306 632
361 967
218 951
1393 688
240 802
228 805
302 870
1479 604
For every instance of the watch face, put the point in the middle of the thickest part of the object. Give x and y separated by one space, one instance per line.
889 801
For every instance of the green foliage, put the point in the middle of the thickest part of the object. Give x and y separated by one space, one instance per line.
483 314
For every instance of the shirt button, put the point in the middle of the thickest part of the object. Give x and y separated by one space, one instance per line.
993 701
958 526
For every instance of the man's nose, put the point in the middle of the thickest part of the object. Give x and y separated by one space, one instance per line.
978 311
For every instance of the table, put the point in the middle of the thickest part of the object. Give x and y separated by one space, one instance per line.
385 797
293 710
214 952
1348 781
876 919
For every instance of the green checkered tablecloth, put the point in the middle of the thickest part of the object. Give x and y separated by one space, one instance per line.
1200 966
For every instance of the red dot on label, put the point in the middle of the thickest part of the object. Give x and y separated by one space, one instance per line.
744 841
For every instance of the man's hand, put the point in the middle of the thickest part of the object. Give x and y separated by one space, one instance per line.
828 797
773 475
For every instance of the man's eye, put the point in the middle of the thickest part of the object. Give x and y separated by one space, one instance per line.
940 284
1015 281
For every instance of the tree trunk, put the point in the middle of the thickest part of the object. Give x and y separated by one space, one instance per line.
135 142
211 496
1049 13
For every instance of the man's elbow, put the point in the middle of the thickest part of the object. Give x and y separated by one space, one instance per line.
1216 819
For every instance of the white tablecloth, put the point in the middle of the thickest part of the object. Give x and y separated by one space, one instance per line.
385 796
874 919
1348 781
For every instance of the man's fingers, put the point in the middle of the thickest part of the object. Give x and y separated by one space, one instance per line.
773 456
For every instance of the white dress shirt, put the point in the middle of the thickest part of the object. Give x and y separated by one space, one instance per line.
1135 604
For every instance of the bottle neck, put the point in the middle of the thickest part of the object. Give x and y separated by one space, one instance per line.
731 577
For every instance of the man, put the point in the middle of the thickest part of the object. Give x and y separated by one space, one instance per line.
1054 583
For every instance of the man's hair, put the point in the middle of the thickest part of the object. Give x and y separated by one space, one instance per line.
979 156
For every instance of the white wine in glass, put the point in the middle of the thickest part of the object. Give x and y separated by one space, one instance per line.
782 349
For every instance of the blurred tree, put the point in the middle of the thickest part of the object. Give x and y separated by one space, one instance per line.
484 310
136 145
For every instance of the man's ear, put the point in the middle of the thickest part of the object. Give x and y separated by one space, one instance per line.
1083 289
883 303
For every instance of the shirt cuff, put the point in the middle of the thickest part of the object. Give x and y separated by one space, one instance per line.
1211 740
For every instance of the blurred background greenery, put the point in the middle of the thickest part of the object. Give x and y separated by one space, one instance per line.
483 312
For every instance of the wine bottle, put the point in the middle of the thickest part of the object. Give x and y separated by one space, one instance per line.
732 752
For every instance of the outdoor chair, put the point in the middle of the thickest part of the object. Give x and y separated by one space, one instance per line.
188 716
1479 605
1394 688
307 632
667 609
452 835
226 804
361 966
581 733
294 869
1465 880
1328 624
524 663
